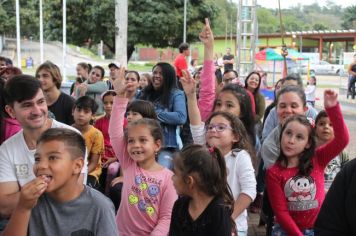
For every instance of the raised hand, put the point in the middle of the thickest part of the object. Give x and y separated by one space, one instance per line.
330 98
188 84
206 35
119 83
31 192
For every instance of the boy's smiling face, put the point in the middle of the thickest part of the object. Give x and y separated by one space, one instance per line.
54 163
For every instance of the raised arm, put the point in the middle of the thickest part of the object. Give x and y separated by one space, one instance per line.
116 123
207 77
189 87
341 134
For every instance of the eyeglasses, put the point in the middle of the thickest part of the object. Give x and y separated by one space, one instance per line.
218 127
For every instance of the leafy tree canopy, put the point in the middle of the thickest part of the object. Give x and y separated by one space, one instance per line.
349 18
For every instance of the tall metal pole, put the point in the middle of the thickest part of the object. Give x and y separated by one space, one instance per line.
18 35
41 33
64 39
185 22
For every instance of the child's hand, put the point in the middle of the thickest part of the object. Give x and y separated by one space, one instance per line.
188 83
109 161
83 88
31 192
330 98
119 83
117 180
206 35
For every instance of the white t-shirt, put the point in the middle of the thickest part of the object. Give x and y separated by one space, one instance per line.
310 93
240 173
17 160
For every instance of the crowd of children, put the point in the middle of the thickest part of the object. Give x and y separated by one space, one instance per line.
126 143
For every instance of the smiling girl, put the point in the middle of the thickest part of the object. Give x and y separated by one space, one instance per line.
94 87
148 194
295 184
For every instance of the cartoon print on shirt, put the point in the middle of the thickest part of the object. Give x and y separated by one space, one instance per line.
153 190
145 194
300 192
150 210
143 186
333 167
142 205
133 199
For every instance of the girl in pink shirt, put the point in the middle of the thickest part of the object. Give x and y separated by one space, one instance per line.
295 183
148 194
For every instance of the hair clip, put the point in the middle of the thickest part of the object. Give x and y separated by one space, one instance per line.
211 150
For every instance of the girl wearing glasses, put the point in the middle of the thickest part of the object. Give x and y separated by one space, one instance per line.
225 131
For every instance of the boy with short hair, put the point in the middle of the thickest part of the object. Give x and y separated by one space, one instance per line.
26 103
83 112
55 202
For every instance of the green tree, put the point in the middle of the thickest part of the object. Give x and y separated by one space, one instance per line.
349 18
267 22
28 17
7 11
319 26
157 23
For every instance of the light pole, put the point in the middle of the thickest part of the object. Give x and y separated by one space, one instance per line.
185 22
18 35
64 38
41 33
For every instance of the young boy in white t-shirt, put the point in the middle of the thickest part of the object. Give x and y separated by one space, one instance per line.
55 202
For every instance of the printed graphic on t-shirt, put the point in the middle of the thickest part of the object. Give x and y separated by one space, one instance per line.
300 193
22 171
332 169
144 194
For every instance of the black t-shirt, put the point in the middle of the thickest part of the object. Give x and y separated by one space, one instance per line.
338 212
62 109
228 66
215 220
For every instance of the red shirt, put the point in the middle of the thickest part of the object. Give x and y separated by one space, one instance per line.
180 64
102 124
295 199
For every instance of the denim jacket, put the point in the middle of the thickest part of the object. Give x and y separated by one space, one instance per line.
171 117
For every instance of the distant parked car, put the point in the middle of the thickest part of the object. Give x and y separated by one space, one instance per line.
324 67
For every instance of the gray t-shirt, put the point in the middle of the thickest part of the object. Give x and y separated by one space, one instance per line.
90 214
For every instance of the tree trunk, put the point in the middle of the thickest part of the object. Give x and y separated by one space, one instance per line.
121 15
